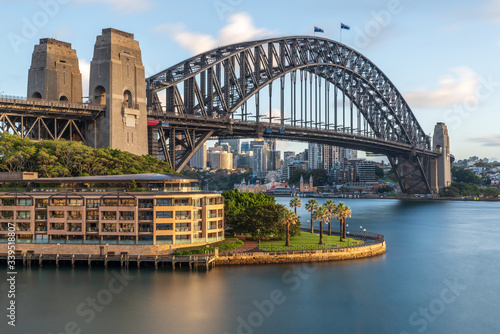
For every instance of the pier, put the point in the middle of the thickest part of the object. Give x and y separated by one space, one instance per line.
124 260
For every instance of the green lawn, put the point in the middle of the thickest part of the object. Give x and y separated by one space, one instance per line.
224 245
308 240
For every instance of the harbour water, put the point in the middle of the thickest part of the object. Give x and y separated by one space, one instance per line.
440 274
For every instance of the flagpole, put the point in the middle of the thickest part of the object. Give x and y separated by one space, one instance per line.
341 33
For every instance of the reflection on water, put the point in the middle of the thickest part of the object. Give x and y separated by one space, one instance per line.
433 246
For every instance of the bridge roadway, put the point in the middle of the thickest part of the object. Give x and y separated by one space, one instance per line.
34 107
232 128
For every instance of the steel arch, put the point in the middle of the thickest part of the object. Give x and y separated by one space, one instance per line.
344 67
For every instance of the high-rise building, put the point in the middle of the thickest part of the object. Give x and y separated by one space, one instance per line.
234 143
365 171
288 156
199 159
348 154
315 156
260 156
218 157
245 147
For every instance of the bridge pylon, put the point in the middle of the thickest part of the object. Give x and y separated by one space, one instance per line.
117 80
441 166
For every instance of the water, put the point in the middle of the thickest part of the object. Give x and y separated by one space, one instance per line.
440 274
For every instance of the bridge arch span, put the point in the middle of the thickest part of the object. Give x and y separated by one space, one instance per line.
219 82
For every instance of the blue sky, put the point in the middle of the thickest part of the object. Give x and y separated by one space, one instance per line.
441 55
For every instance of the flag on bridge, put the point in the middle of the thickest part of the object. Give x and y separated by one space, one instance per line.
343 26
316 29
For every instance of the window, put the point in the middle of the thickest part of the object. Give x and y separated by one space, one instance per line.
59 201
198 226
57 226
127 228
75 202
164 214
42 203
8 202
198 214
182 214
182 201
109 215
74 215
182 237
109 227
127 215
74 227
145 227
25 202
42 215
56 214
127 202
92 215
197 202
23 215
145 215
23 227
182 227
164 227
164 202
7 215
93 203
163 239
145 203
110 202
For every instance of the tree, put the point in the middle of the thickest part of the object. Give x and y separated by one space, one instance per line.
465 175
295 203
312 205
330 206
286 218
379 172
342 212
320 214
295 177
320 177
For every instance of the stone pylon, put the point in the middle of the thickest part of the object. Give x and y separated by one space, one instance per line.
117 80
54 73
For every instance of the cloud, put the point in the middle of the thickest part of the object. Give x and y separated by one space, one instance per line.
125 7
85 70
454 88
239 29
488 140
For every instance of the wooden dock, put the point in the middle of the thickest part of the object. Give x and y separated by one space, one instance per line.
123 260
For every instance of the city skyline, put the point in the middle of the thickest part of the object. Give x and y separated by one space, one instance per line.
422 54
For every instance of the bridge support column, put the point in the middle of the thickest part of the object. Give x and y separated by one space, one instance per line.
441 167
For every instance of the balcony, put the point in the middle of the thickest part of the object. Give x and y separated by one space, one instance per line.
182 241
92 217
92 229
182 229
127 230
23 228
127 217
145 229
74 217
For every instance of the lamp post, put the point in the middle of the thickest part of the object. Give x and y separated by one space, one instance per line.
58 246
258 236
348 240
106 248
364 232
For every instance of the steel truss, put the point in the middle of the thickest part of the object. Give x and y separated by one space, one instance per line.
218 83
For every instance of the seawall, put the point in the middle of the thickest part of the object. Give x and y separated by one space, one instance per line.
310 256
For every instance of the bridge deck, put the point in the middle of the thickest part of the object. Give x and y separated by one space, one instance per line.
34 107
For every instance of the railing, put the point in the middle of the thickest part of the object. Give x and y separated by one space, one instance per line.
182 241
182 217
41 229
212 227
92 229
182 229
126 218
74 217
57 216
145 205
211 239
212 216
127 230
142 229
21 228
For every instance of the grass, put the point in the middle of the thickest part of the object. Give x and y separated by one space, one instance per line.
224 245
308 240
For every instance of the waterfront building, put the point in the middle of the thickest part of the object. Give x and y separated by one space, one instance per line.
139 209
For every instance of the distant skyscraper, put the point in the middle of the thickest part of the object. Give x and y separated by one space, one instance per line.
245 147
348 154
288 156
234 143
199 159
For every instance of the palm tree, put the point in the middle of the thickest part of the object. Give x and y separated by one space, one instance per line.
330 206
312 205
286 218
295 203
320 214
342 212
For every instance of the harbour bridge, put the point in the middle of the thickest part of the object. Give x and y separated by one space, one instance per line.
300 88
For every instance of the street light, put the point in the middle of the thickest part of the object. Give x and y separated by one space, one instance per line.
106 248
364 232
58 246
258 236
